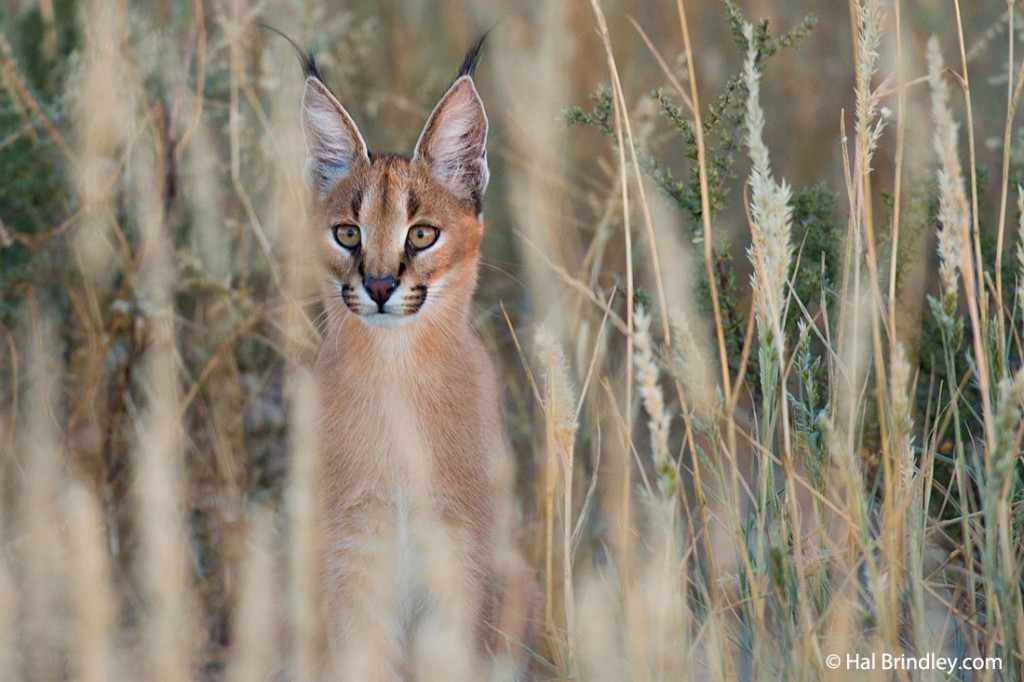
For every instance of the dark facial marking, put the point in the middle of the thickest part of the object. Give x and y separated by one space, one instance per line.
388 158
346 296
413 206
416 301
357 203
387 161
478 202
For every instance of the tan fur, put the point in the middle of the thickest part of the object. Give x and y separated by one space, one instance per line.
415 490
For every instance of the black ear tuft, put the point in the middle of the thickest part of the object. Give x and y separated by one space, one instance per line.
306 60
469 62
309 67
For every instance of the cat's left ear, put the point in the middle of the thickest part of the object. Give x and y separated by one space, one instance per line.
452 143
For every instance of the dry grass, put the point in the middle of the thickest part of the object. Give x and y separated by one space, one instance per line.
701 497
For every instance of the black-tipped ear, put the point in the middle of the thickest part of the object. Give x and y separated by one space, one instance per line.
333 143
469 62
306 60
453 142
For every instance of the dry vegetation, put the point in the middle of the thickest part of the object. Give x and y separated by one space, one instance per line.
757 422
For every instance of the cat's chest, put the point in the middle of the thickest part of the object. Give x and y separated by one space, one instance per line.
384 464
380 426
409 431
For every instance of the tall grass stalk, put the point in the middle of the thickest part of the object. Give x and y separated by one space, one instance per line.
40 566
255 650
92 596
560 438
1019 303
625 518
158 452
952 239
719 476
771 255
304 542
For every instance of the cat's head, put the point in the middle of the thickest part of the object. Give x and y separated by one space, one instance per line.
398 237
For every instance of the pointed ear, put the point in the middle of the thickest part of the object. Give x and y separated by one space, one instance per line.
333 142
452 142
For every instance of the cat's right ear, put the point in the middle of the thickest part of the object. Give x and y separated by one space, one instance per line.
333 143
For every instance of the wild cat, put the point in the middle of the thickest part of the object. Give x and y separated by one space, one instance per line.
421 578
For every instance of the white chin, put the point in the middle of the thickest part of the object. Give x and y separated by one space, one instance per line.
386 319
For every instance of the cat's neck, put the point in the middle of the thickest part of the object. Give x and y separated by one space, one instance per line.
409 345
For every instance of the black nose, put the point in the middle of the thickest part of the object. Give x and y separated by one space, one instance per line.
380 288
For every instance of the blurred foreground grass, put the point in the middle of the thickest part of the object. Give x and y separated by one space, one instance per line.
757 422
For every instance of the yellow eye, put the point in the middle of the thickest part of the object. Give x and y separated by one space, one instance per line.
423 236
347 236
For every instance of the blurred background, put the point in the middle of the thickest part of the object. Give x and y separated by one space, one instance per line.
157 296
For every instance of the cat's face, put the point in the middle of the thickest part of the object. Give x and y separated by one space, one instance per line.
393 240
398 237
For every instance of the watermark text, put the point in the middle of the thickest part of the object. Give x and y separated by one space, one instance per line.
887 661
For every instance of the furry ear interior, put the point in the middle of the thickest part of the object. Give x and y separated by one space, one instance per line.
333 142
453 142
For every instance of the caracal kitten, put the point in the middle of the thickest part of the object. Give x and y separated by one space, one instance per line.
421 576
